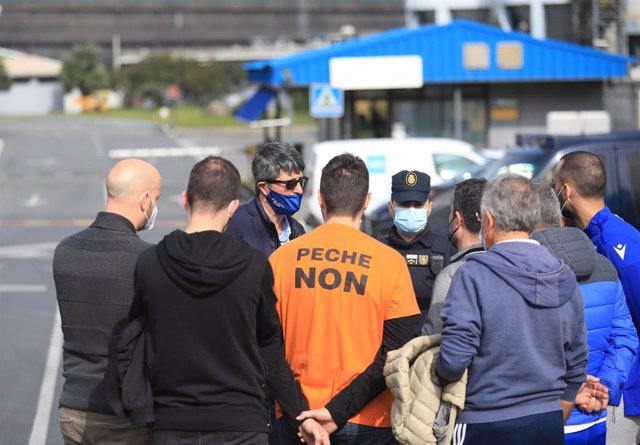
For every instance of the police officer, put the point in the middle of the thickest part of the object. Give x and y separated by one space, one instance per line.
426 253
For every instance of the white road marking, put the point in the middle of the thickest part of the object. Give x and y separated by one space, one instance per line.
28 251
33 201
163 152
30 288
47 388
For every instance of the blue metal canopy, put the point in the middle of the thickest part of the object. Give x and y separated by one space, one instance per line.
442 51
255 106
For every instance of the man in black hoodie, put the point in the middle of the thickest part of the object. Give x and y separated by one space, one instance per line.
210 306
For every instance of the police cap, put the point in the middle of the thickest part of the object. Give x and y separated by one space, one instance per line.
410 186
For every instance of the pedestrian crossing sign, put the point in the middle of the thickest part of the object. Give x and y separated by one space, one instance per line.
325 101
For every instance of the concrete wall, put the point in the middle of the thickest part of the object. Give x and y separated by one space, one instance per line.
52 27
621 100
533 102
31 97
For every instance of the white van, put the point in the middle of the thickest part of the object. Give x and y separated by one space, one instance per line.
442 159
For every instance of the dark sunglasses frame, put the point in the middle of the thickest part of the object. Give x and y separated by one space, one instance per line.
291 183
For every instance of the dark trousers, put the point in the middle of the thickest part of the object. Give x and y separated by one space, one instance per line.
172 437
537 429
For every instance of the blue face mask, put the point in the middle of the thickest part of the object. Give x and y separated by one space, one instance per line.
410 220
284 204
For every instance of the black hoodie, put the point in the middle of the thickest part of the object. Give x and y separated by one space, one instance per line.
212 334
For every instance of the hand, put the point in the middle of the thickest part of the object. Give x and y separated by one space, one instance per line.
312 433
322 416
592 396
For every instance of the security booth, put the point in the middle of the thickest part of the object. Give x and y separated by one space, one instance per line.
463 80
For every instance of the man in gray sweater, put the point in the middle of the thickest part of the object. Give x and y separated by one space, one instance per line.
93 274
464 232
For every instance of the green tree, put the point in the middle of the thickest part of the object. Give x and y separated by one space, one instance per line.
150 78
82 69
204 82
199 82
5 80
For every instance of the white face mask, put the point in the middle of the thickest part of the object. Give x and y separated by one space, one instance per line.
150 219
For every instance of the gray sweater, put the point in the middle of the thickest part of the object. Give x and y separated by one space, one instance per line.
433 322
93 274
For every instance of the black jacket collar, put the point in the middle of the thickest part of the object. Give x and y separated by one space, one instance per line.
113 221
254 208
423 238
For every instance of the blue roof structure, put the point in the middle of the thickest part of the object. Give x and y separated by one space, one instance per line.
441 49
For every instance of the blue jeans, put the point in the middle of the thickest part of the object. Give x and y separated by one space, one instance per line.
595 435
350 434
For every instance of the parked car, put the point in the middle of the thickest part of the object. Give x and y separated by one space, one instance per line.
536 156
442 159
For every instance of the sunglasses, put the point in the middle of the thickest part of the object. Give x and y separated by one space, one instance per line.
291 183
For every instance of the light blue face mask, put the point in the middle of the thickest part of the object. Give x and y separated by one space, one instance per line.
410 219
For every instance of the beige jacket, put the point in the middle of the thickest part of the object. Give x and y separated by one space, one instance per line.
423 411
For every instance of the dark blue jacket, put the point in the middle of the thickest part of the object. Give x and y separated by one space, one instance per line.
251 224
611 336
514 317
620 243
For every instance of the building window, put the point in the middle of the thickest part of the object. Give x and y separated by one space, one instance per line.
476 56
510 55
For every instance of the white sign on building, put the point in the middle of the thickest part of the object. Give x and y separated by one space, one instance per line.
376 73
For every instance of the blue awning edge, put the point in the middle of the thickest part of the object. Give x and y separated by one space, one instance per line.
442 49
255 106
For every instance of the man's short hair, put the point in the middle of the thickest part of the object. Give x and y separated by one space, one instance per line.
585 171
512 201
344 185
550 215
466 200
213 183
274 157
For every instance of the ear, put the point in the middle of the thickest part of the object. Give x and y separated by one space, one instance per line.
428 206
367 201
568 190
321 200
233 206
262 186
143 202
323 208
457 216
185 202
490 221
392 210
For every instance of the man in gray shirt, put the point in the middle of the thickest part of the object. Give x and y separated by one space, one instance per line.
93 273
464 232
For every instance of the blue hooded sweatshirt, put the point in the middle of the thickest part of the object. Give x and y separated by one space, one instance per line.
515 318
619 241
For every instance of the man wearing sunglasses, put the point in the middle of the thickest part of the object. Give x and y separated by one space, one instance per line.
267 221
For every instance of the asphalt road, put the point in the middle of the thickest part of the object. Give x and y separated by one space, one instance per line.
51 185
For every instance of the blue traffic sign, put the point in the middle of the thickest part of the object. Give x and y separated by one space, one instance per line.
325 101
